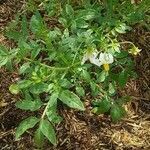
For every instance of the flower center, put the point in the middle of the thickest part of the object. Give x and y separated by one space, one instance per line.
106 67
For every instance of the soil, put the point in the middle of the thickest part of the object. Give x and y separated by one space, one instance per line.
82 130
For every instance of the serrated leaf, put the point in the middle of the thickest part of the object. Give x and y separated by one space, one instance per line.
117 112
28 104
47 129
39 138
14 89
71 99
25 125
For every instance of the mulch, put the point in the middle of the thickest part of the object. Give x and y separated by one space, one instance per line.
82 130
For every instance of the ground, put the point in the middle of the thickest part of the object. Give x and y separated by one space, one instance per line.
83 130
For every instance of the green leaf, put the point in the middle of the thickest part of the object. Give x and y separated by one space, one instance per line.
24 84
39 88
39 138
24 27
111 88
14 89
25 125
3 61
123 77
102 106
80 23
117 112
65 83
86 75
69 10
47 129
29 104
37 24
52 99
80 91
71 99
102 76
63 21
24 67
94 88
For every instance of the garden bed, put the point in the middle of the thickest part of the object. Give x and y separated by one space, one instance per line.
83 130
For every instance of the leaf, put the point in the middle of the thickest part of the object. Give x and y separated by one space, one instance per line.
65 83
71 99
63 21
3 61
102 106
123 77
47 129
24 27
94 88
85 75
80 91
29 104
14 89
53 99
80 23
38 138
69 10
111 88
102 76
37 24
24 84
25 125
24 67
117 112
39 88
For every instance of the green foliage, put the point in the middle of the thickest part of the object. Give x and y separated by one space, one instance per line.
25 125
48 131
65 49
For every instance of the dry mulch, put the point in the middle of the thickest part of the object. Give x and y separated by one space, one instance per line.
83 130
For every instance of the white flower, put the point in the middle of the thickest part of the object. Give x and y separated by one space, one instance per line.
91 55
106 59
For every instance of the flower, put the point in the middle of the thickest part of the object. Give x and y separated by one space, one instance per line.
91 55
106 59
134 51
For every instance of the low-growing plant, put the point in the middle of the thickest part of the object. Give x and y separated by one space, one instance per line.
81 53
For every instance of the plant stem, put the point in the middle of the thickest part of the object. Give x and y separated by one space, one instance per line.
127 42
44 112
44 65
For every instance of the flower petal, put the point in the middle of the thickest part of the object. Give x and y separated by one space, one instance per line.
95 61
84 59
111 59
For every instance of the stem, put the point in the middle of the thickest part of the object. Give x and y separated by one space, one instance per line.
44 112
127 42
44 65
